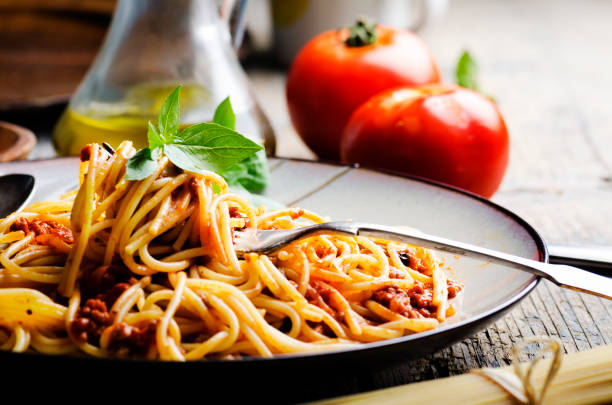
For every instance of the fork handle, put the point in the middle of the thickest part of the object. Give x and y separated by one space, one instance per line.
597 259
562 275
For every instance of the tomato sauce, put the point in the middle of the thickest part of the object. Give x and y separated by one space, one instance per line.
43 227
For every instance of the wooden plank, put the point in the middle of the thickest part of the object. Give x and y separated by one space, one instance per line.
499 356
543 314
589 327
569 317
441 363
607 304
523 329
600 316
484 349
504 344
532 318
557 318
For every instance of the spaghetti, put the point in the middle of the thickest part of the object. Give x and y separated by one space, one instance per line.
148 269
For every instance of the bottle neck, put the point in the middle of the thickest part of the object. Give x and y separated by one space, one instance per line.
168 14
175 20
158 41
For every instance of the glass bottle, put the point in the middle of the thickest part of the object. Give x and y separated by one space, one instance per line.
151 47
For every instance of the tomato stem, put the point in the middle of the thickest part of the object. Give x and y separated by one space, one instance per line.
362 33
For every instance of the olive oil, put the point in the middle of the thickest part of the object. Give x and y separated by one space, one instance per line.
73 131
127 119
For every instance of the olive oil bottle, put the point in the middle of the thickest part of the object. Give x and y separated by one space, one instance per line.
151 47
126 119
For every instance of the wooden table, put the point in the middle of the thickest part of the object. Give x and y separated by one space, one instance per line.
548 64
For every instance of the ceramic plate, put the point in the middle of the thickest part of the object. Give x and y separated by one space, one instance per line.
340 193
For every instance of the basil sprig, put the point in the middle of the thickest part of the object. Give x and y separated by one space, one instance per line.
214 146
466 72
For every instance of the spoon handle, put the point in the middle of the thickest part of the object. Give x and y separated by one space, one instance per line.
562 275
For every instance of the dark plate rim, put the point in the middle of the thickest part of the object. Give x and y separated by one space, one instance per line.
368 347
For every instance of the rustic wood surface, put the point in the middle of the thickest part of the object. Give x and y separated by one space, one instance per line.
547 64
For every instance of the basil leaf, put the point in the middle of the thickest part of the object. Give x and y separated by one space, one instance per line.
155 139
141 165
467 72
210 146
169 116
224 114
252 173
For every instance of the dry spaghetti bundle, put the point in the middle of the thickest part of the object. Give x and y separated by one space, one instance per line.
148 269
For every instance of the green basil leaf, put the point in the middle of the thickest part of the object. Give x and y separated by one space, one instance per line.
155 139
169 116
467 72
141 165
224 114
210 146
252 173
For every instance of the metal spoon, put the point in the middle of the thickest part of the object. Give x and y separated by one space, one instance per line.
16 190
574 278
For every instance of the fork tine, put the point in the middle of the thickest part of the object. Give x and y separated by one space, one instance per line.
265 241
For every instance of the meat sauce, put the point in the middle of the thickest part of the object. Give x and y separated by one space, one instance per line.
100 289
136 339
412 303
47 232
106 283
319 294
415 302
234 212
85 154
413 262
90 321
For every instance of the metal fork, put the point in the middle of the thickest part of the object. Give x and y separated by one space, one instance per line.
250 241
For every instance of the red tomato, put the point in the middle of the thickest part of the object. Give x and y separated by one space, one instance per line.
441 132
329 79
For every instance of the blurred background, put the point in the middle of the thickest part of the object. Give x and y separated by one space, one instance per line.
545 62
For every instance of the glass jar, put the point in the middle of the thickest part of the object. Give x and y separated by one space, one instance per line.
151 47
